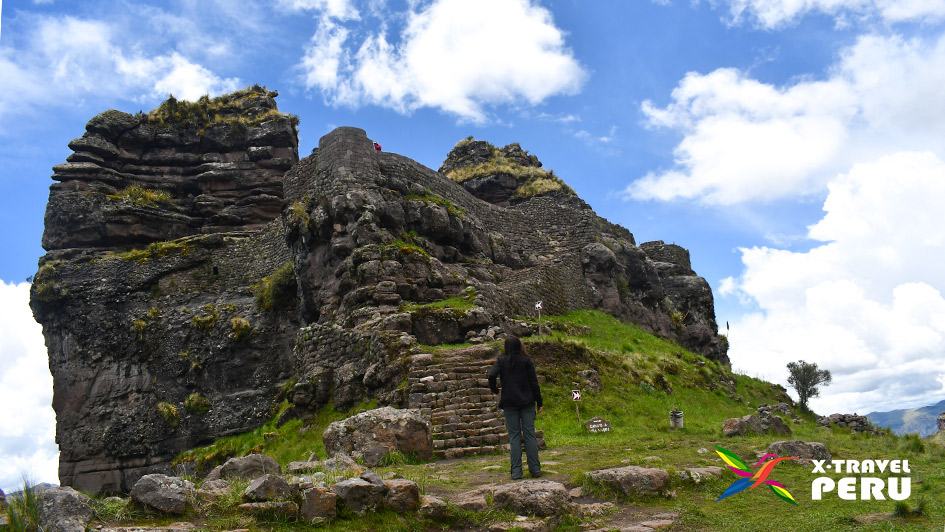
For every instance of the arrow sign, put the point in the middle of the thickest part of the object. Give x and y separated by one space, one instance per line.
538 305
575 395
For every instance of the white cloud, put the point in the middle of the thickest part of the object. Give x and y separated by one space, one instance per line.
27 444
771 14
456 56
340 9
744 140
868 303
67 58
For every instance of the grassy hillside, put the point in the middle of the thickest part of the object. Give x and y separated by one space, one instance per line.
643 378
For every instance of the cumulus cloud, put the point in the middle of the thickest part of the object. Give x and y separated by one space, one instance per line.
28 442
68 57
771 14
745 140
460 57
868 303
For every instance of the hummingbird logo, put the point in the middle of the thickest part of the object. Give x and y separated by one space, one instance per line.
750 479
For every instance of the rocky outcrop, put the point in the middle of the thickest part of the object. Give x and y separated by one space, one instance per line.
374 434
940 422
191 282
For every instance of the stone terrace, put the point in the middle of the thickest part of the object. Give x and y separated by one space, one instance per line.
451 389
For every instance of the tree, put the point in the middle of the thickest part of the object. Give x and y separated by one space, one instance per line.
805 377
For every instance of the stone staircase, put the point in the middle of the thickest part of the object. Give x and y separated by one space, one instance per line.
451 389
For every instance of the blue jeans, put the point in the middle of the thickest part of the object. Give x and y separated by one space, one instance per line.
520 423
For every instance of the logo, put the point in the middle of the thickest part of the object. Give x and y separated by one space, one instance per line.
750 479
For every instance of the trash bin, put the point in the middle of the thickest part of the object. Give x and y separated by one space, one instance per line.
675 419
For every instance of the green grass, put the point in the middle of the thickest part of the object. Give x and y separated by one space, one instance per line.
23 510
277 291
143 197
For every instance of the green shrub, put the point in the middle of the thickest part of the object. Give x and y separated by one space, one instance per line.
169 413
228 109
241 328
143 197
278 291
197 404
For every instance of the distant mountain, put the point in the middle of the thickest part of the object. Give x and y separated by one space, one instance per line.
37 488
919 420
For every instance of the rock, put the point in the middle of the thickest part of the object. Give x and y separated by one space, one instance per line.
268 488
342 462
852 421
213 489
596 509
359 495
163 493
3 501
591 380
433 507
374 434
805 451
698 474
403 495
277 508
472 504
576 493
63 509
536 497
633 480
318 503
523 526
764 423
302 467
250 467
657 524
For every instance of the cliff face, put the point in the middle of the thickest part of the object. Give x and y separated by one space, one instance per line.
179 305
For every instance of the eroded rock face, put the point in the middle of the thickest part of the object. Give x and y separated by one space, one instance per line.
191 282
210 175
374 434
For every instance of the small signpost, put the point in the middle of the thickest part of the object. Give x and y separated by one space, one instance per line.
597 424
576 397
538 308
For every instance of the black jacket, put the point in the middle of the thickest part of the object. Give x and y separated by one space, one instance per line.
519 383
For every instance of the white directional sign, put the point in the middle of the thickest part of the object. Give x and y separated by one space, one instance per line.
538 305
575 395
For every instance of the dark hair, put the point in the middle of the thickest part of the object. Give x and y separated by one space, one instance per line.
513 350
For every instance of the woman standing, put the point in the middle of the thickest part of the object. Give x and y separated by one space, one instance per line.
519 396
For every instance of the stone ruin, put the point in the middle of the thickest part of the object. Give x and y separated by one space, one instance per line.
198 274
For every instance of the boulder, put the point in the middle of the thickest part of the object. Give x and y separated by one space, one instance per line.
535 497
3 501
374 434
249 467
268 488
633 480
318 503
404 495
163 493
591 380
433 507
63 509
805 451
359 495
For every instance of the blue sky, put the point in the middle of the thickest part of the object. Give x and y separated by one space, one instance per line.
794 147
